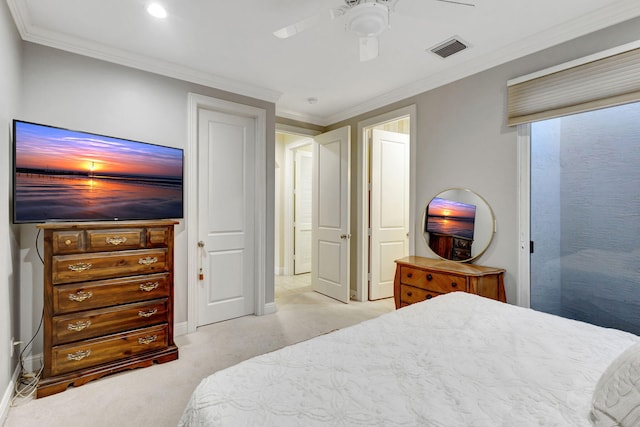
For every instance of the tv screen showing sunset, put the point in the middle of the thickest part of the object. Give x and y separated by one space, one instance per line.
62 174
450 217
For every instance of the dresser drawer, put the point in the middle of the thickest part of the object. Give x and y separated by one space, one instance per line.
106 321
84 267
433 281
411 294
461 243
157 237
86 296
67 242
71 357
460 254
113 240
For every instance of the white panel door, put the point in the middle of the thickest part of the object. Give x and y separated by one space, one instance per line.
302 211
226 150
389 207
330 207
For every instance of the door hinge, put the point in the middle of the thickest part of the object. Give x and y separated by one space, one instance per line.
531 246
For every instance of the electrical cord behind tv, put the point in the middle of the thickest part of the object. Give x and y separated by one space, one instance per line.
27 382
37 248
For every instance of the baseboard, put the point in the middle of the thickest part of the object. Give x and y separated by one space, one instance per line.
179 329
270 308
5 403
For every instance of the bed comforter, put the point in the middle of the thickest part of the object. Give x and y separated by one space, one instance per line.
455 360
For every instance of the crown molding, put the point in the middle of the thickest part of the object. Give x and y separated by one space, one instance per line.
34 34
594 21
301 117
610 15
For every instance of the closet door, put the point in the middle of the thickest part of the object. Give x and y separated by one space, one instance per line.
330 214
226 194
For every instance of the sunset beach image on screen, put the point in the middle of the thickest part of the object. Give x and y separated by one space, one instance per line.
67 175
450 217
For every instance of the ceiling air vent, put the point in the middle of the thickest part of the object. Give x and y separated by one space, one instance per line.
448 48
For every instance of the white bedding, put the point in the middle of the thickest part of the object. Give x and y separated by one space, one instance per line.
454 360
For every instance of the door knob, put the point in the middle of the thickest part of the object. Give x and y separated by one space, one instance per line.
345 236
201 244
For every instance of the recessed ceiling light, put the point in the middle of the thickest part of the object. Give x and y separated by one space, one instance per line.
156 10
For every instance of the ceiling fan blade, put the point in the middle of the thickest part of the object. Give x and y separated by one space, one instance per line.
305 24
458 2
338 11
298 27
368 48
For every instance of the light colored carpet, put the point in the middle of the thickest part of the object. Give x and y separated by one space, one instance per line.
156 396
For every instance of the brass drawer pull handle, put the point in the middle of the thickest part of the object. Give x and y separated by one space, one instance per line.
149 286
80 296
80 267
454 284
116 240
78 355
410 275
148 313
409 293
67 242
148 260
79 325
148 339
429 277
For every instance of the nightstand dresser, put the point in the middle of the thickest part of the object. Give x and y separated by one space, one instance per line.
418 279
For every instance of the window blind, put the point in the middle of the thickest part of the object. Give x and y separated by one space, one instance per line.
605 82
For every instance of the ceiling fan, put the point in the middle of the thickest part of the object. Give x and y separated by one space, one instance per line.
367 19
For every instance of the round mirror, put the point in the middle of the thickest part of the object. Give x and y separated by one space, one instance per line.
458 225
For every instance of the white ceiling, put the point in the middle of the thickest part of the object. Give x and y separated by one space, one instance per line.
230 45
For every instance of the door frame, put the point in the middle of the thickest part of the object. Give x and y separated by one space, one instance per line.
362 191
288 188
195 103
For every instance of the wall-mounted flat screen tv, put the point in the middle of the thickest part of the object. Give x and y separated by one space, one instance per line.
450 217
68 175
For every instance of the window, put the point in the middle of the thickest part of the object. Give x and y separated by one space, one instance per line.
585 216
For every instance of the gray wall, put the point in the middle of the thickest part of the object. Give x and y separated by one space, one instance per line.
463 141
10 55
76 92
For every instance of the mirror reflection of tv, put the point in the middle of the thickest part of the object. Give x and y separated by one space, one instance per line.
450 217
68 175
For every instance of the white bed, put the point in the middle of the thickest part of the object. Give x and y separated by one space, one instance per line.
455 360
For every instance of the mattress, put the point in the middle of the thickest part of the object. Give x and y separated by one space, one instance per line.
454 360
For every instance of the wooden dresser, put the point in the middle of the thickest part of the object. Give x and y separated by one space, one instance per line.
418 279
108 300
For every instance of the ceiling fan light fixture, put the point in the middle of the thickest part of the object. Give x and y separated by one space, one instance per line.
368 19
